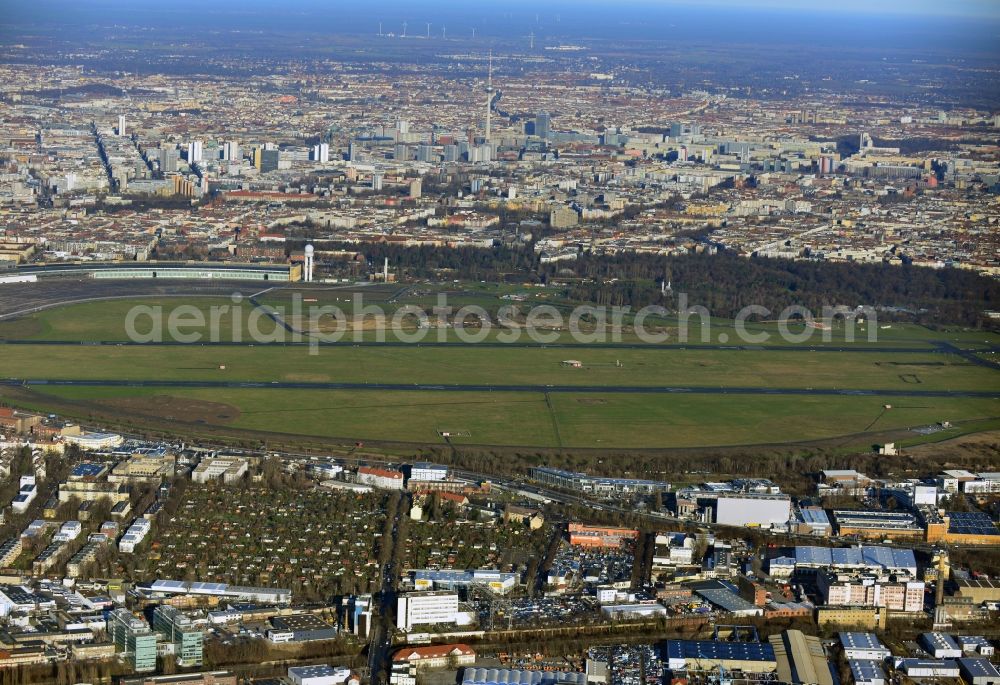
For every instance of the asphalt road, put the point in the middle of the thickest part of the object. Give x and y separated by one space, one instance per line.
611 389
380 646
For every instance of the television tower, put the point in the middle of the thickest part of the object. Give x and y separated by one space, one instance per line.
531 39
489 100
404 30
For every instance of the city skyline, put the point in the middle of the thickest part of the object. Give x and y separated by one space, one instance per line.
560 343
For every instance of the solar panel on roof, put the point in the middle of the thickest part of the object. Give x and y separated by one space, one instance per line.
710 649
176 585
971 523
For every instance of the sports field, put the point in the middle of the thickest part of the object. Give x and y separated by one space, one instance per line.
640 396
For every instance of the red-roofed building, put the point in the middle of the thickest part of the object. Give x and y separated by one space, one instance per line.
454 497
436 656
266 196
18 421
386 479
600 536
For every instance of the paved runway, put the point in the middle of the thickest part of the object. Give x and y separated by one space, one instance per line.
609 389
932 348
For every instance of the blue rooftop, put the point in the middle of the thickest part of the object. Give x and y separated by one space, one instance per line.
87 470
711 649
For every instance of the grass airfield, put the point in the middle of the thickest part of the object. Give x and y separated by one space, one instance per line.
912 363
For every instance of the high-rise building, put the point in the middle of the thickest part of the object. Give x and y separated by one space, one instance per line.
168 159
321 153
231 151
180 630
542 125
269 160
194 152
424 153
377 181
481 153
133 637
415 188
121 124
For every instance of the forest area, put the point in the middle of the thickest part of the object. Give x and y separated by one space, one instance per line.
724 282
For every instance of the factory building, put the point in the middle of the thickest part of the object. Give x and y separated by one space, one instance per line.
863 646
959 527
300 628
866 672
813 521
764 511
869 559
928 668
878 525
940 645
979 590
515 676
262 595
800 659
321 675
709 655
594 485
979 671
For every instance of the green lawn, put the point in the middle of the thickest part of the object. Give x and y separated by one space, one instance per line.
582 420
106 320
503 418
502 366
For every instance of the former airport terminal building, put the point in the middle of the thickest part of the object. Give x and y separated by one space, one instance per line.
281 273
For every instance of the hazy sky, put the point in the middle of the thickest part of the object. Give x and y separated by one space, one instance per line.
978 8
990 8
912 8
